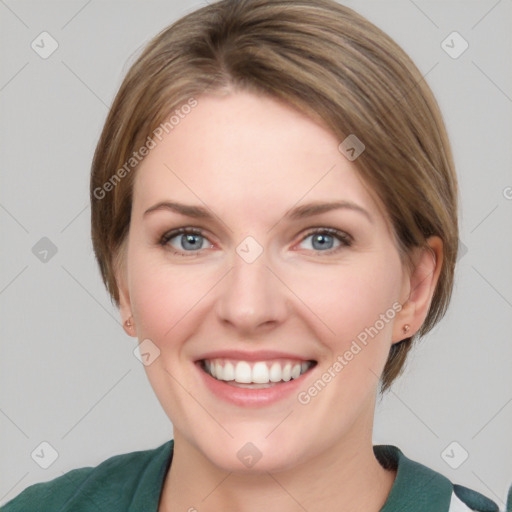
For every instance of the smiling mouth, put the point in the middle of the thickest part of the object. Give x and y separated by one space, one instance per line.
255 375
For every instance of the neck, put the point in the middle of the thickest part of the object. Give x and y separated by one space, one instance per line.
347 477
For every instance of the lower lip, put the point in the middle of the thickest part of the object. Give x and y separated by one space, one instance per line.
245 397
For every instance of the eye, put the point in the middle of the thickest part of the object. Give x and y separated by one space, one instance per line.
188 240
323 239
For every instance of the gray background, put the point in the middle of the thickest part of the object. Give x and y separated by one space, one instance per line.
68 373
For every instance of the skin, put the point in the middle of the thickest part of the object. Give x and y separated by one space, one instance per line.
250 159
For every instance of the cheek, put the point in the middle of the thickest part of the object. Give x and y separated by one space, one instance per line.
356 303
349 298
159 297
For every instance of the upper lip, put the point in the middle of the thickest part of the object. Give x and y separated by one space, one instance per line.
259 355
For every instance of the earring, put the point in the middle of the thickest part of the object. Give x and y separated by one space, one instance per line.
128 323
405 328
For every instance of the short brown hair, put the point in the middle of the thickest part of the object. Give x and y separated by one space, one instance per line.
325 60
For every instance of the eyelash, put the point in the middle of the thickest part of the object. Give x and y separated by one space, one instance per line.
345 239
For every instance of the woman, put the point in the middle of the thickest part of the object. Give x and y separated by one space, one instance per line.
274 211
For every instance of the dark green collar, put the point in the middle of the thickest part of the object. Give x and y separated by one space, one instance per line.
132 482
416 487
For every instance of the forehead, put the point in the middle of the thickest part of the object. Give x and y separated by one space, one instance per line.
248 153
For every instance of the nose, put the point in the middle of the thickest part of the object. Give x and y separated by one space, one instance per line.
252 298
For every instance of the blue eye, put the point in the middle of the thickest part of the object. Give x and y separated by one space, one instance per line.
189 240
324 238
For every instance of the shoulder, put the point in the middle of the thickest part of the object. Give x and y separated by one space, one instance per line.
464 499
116 482
475 501
422 489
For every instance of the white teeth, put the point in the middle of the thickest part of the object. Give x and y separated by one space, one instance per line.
218 369
229 371
287 372
275 373
261 372
296 371
243 372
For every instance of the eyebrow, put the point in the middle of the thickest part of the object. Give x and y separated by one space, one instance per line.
297 213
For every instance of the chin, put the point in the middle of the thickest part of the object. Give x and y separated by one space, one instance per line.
255 454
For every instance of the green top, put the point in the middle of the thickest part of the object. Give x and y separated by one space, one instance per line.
133 482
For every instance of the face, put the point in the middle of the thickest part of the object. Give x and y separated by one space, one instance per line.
292 308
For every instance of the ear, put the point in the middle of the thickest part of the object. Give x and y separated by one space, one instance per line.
418 288
125 307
